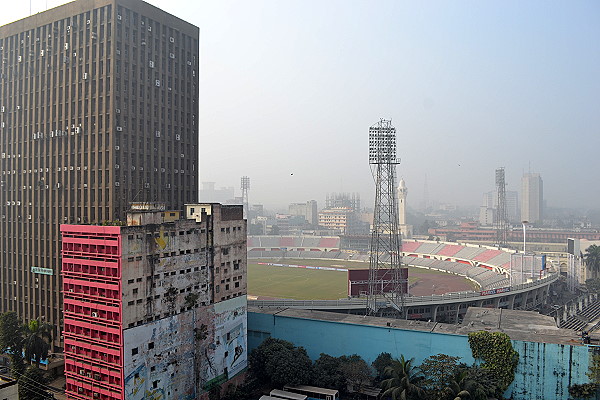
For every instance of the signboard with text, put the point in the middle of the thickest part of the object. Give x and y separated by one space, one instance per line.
43 271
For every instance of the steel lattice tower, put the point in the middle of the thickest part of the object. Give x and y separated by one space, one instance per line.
500 218
385 279
245 187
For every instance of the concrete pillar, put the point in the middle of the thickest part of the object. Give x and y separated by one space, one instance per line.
435 310
457 311
524 296
511 302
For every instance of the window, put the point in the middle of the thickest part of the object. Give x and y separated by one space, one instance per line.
135 291
134 351
150 345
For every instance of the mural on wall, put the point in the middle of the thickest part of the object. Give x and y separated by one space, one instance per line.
191 351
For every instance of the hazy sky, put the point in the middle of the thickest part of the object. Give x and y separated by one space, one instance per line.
291 87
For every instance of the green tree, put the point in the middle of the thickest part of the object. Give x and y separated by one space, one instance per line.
11 340
487 384
36 338
31 385
382 361
592 258
356 371
439 370
461 386
404 381
328 372
279 362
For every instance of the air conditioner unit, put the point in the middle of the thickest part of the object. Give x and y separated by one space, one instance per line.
168 186
82 372
119 128
97 377
66 46
189 63
172 39
171 55
118 111
116 166
118 17
157 133
95 314
146 185
117 184
85 75
88 22
96 395
157 83
42 53
80 390
85 185
149 29
19 58
151 64
177 137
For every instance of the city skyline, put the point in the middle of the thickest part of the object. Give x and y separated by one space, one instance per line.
288 94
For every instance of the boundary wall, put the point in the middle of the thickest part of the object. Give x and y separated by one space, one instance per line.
545 370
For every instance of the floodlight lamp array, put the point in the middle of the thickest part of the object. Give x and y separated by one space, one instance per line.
382 146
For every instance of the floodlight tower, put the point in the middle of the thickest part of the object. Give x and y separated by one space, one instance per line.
245 187
385 276
501 219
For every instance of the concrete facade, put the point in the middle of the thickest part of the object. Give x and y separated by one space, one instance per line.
157 308
550 359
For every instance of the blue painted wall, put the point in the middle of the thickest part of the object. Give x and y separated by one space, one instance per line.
544 372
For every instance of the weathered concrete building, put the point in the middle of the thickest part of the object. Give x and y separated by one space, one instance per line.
155 308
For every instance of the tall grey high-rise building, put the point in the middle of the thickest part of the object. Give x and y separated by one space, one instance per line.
532 198
98 108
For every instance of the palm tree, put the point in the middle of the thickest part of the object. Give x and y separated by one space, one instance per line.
403 381
592 258
462 387
35 345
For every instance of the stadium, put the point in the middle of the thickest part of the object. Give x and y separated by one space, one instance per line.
488 267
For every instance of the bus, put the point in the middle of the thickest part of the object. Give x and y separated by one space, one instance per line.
313 393
282 394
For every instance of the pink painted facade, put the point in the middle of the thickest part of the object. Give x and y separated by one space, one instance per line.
93 310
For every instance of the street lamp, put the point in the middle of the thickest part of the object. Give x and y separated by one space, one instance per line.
524 224
523 257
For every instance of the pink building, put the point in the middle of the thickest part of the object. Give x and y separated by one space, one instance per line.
93 309
156 308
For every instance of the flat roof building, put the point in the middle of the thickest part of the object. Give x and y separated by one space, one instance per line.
157 307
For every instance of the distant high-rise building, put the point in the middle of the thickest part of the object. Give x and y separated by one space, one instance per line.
98 108
489 205
532 198
344 200
307 210
209 193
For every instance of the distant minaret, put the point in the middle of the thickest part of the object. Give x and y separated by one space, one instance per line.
405 229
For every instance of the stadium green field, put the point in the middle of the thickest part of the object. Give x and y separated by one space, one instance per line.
308 284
